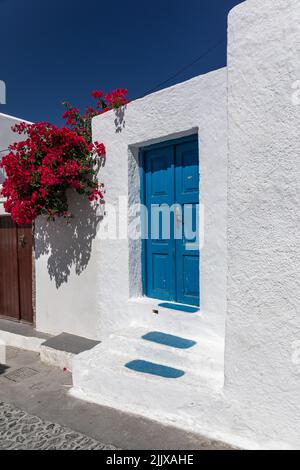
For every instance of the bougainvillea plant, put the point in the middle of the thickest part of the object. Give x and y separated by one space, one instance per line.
50 160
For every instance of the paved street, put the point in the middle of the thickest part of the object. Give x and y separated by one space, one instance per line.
37 412
22 431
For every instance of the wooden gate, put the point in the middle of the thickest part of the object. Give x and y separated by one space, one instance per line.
15 271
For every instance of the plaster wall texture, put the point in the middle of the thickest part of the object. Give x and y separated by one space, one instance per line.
263 323
258 407
197 106
7 137
67 265
102 293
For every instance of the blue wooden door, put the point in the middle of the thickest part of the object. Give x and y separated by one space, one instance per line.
171 194
187 222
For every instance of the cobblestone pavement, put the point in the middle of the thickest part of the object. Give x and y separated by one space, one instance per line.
22 431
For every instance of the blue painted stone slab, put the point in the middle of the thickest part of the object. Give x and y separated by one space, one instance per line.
182 308
146 367
169 340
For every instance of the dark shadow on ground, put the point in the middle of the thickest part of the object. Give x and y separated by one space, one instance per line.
3 369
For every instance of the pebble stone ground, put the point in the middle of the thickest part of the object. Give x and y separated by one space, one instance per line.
22 431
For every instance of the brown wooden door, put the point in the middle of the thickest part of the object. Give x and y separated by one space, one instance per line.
9 284
15 270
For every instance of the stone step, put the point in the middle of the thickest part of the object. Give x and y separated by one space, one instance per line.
204 358
104 376
21 335
60 350
189 325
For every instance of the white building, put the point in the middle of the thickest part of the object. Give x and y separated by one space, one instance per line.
231 373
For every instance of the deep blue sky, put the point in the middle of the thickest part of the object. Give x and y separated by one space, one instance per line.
56 50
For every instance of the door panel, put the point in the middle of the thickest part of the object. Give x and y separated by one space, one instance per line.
172 197
9 285
187 172
159 176
187 247
15 270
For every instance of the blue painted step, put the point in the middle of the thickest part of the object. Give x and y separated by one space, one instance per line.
146 367
169 340
182 308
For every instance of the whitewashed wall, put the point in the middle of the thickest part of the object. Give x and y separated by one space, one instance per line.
67 272
259 406
263 321
197 106
104 296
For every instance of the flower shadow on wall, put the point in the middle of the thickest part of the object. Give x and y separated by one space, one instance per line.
68 247
120 118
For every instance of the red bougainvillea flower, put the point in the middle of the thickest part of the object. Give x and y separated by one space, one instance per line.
96 195
117 98
50 160
100 149
70 116
97 94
